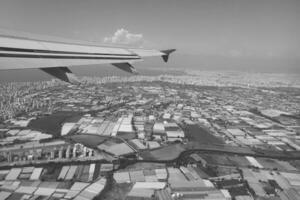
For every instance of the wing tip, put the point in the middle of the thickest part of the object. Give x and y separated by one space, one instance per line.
167 53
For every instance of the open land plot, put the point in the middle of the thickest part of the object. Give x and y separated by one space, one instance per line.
145 165
165 153
91 141
201 135
52 124
117 192
215 159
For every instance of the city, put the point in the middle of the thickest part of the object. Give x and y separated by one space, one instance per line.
151 137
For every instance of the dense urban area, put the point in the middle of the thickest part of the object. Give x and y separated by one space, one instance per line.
192 136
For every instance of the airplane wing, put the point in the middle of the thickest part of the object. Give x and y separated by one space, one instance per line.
54 58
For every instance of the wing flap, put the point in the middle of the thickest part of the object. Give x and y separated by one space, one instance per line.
127 67
62 73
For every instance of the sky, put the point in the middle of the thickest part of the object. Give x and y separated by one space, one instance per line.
209 34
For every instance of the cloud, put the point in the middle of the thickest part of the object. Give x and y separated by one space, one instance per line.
124 37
